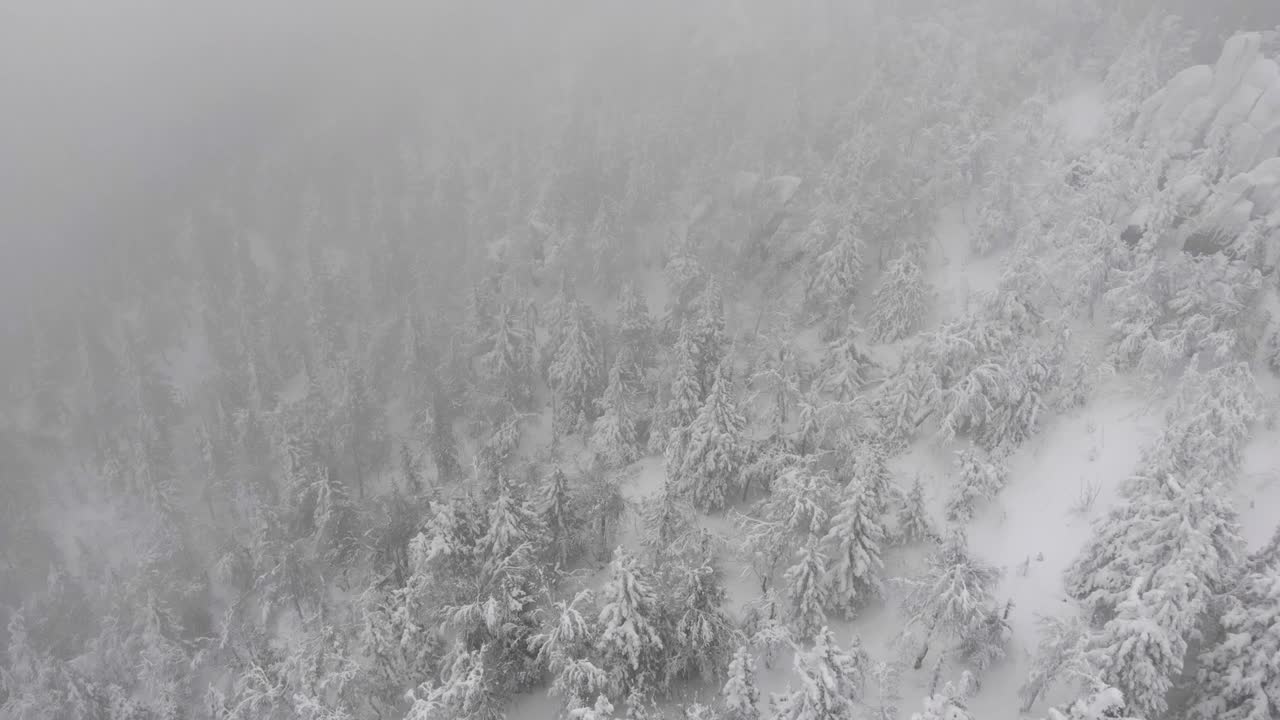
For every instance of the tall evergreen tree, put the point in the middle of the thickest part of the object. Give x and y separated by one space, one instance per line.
852 546
953 595
708 335
630 644
508 363
831 680
1239 677
712 458
703 633
899 305
615 437
559 515
636 345
575 370
807 594
740 695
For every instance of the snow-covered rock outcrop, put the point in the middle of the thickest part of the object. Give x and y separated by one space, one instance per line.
1231 109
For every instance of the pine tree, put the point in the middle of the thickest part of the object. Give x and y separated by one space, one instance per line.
615 438
899 305
508 364
600 501
913 518
629 644
685 400
867 463
952 597
1062 657
601 710
708 337
845 367
559 516
441 439
950 703
852 546
1239 676
575 370
703 632
977 478
668 522
563 647
831 681
836 274
1140 655
362 424
777 382
712 458
1102 703
512 523
740 694
636 344
807 594
336 535
888 678
987 643
1178 532
466 693
569 636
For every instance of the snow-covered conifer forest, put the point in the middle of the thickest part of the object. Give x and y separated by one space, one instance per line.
664 360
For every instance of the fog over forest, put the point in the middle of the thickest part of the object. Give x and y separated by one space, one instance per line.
663 360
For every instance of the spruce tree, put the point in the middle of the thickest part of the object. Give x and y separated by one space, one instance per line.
559 516
807 595
852 546
913 517
830 678
835 275
614 438
668 522
977 478
708 336
630 646
1239 674
685 397
712 458
508 364
741 697
636 345
511 524
953 595
703 633
575 370
899 305
1061 658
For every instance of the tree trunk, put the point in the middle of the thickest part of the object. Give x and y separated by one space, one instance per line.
359 476
924 650
604 526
